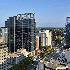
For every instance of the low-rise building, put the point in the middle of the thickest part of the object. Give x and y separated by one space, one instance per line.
67 55
53 66
57 61
18 56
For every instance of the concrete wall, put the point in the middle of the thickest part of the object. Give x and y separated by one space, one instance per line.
40 66
67 55
4 34
37 41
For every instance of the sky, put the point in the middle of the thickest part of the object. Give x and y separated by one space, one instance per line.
48 13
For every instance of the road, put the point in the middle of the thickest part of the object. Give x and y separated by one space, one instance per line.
51 55
55 55
32 66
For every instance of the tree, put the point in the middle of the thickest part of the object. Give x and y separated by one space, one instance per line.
46 54
59 38
23 64
58 44
42 53
46 47
14 67
41 47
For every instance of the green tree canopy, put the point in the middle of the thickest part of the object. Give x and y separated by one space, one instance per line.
24 63
59 38
57 44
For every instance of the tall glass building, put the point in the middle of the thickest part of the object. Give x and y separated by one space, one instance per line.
67 37
21 32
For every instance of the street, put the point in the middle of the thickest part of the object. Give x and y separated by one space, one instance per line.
32 66
55 55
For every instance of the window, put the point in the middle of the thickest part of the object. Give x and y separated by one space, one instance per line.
4 49
4 67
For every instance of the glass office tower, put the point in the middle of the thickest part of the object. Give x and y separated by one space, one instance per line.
67 37
21 32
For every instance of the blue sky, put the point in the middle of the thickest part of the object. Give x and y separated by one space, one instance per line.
48 13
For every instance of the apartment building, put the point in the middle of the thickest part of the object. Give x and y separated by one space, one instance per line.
44 38
4 34
3 55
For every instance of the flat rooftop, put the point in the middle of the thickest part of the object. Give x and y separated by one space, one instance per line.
51 64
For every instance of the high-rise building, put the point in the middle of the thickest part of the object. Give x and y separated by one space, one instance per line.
4 32
67 37
44 38
21 32
3 55
37 42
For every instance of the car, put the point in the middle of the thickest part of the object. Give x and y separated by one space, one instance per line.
41 59
34 60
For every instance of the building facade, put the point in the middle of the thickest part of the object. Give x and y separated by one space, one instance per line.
45 37
4 32
3 55
67 37
21 32
18 56
37 42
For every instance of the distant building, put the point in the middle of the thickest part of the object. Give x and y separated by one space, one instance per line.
55 34
4 32
44 38
21 32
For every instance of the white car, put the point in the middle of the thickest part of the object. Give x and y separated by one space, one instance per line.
34 60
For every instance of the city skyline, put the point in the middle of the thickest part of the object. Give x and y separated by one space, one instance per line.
47 13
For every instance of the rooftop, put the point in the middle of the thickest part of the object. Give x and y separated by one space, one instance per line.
55 59
18 53
51 64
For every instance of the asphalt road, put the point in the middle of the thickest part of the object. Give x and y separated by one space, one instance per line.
32 66
55 55
50 56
